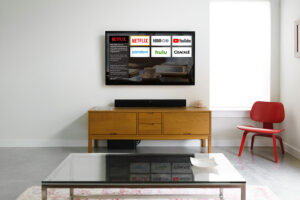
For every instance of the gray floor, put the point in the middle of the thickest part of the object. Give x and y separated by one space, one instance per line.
24 167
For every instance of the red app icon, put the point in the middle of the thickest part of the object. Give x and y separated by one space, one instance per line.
175 40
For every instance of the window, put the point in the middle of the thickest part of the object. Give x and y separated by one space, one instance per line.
240 53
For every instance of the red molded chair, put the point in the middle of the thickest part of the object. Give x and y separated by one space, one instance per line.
268 113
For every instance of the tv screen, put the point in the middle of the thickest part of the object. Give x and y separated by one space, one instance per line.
150 58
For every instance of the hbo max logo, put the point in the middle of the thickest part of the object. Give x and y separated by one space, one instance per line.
159 40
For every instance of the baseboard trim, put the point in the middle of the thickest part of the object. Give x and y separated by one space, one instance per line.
43 143
260 142
144 143
292 150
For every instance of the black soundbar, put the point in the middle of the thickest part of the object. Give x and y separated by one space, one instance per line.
150 102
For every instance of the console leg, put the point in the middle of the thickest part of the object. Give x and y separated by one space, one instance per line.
203 142
90 145
96 143
209 144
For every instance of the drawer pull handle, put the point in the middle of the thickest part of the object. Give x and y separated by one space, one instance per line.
149 123
187 133
113 133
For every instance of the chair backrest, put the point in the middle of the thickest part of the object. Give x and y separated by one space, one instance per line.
267 112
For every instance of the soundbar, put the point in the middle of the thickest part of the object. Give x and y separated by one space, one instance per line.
150 102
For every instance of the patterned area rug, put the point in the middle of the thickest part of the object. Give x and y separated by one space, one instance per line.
253 193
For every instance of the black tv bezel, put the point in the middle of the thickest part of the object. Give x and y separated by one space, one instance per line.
120 82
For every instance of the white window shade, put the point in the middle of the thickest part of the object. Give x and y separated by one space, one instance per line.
240 35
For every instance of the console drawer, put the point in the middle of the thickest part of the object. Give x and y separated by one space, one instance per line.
149 129
149 117
112 123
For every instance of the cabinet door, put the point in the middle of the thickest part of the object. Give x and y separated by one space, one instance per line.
180 123
112 123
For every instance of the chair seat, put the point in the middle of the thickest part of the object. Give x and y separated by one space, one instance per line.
253 129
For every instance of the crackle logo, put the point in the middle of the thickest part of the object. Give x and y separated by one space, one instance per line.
181 52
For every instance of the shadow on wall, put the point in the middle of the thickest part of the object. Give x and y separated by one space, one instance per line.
290 131
75 133
102 59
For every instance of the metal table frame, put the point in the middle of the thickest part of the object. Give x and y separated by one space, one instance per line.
72 186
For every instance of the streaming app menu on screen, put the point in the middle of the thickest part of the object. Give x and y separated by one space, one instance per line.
145 57
161 46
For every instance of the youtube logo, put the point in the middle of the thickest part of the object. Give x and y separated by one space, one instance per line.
182 40
176 40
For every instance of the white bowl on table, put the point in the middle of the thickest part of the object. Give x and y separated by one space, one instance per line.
203 162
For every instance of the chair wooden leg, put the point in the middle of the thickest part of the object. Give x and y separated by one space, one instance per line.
281 144
243 142
252 141
275 148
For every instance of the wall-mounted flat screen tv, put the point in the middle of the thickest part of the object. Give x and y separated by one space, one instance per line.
150 58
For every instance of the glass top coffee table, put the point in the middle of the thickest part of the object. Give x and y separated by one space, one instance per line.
111 170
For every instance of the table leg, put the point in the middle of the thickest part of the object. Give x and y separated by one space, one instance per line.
96 143
71 193
221 195
44 193
90 145
243 192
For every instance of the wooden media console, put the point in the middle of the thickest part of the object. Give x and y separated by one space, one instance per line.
180 123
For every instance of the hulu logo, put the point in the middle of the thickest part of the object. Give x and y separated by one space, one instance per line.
162 52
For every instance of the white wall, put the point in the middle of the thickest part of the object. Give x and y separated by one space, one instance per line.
52 66
290 71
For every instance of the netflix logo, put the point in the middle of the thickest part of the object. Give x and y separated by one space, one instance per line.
118 39
139 40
